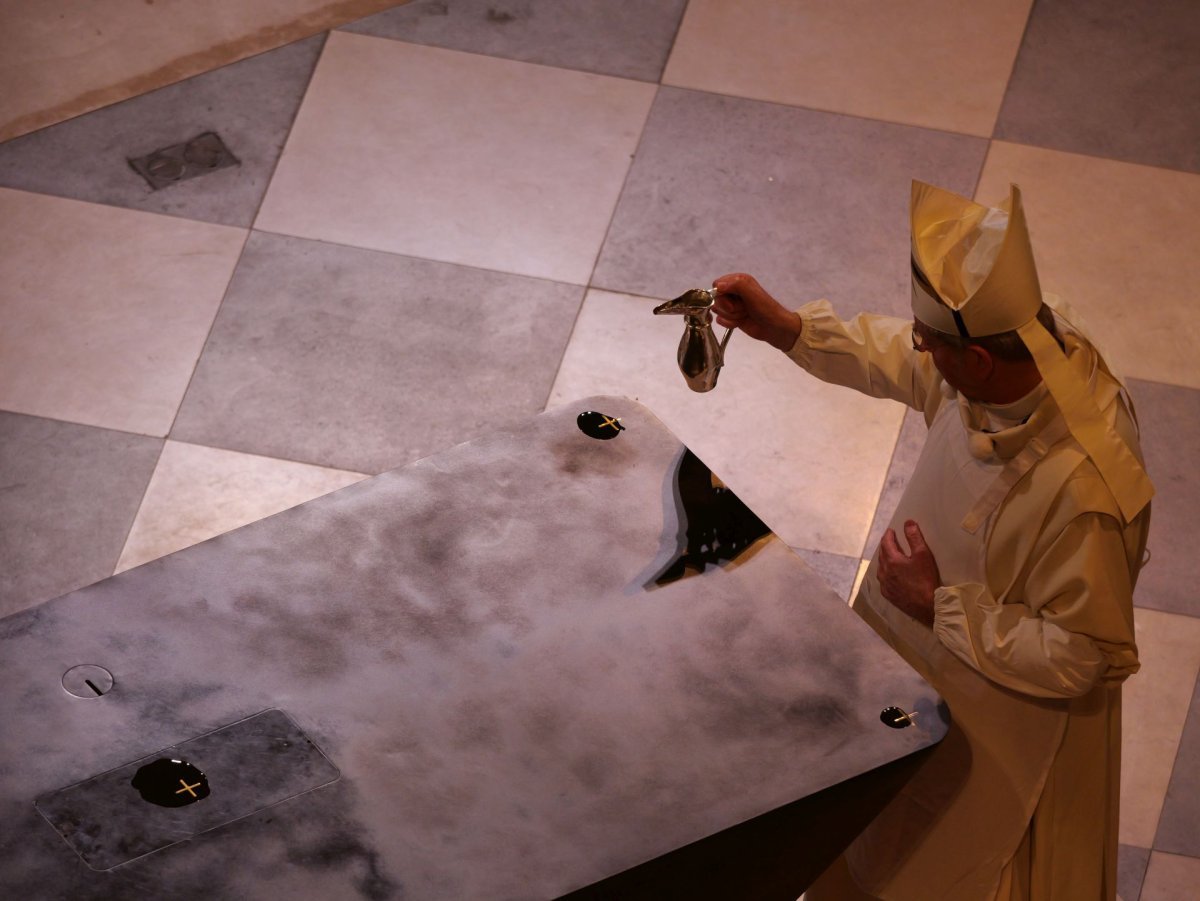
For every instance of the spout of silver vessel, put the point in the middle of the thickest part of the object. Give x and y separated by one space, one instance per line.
696 302
700 356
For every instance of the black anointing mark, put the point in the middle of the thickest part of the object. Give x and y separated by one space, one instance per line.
719 526
598 425
896 718
171 783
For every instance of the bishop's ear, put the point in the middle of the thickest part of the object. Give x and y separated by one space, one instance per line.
979 362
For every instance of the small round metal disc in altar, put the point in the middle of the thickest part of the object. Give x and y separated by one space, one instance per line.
168 782
895 717
599 425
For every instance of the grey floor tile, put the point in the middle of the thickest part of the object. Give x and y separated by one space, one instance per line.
629 38
814 204
365 361
1171 877
68 495
904 461
1170 423
1131 870
837 571
250 104
1109 78
1179 824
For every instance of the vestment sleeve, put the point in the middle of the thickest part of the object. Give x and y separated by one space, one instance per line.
872 354
1074 628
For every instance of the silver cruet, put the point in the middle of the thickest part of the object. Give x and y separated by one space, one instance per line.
700 355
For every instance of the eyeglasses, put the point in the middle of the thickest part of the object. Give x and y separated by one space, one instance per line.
920 343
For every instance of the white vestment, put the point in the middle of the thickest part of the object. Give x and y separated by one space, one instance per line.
1033 632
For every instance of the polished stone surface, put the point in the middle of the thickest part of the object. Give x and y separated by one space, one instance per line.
1109 78
250 104
457 157
1170 424
1170 877
1116 237
1131 870
629 38
814 204
1179 826
69 495
505 725
939 64
232 772
904 460
1116 240
105 310
1155 707
837 571
364 361
199 492
68 57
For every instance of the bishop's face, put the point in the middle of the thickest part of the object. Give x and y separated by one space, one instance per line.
954 363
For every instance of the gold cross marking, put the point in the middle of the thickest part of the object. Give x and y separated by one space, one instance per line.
187 788
610 422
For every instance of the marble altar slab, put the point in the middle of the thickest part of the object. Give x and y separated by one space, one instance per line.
522 688
259 761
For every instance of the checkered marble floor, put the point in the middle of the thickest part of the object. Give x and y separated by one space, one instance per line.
455 211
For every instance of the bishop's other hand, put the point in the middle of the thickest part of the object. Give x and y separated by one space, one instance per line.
908 580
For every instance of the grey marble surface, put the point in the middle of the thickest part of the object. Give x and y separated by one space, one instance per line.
904 460
1110 79
1179 825
323 354
1169 418
629 38
1131 871
472 642
250 104
837 570
68 497
256 762
805 200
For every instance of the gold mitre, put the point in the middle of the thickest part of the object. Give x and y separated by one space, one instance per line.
973 269
973 275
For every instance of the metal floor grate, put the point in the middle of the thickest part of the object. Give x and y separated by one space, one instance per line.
202 154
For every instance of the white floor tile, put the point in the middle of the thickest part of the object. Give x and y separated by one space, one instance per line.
936 63
71 56
1155 705
1118 241
199 492
456 157
1171 877
104 311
